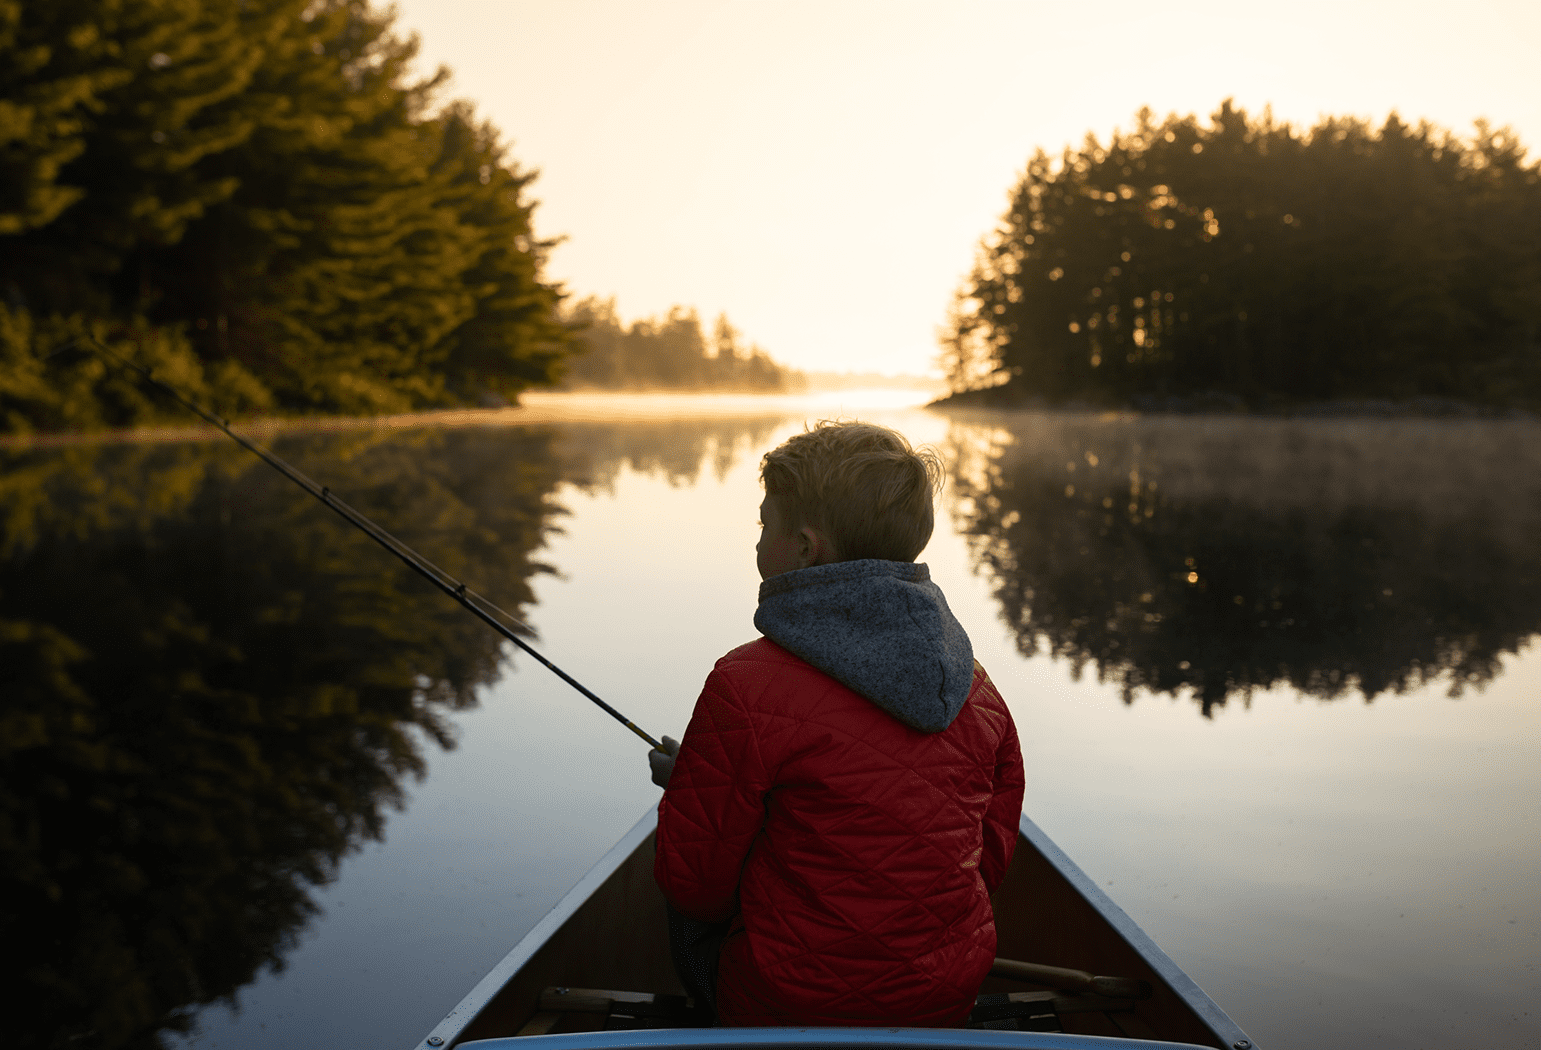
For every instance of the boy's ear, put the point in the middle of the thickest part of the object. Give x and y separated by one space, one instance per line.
813 548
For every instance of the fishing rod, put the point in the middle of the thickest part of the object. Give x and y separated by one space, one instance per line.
478 606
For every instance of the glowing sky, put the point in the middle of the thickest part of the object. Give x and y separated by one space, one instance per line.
822 171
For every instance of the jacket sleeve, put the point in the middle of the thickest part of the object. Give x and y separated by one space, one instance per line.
1005 811
714 806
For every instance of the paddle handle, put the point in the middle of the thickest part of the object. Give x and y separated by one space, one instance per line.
1071 980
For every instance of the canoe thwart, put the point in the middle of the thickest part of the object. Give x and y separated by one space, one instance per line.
619 1009
1038 1011
1059 1002
540 1024
592 1000
1068 980
1033 1012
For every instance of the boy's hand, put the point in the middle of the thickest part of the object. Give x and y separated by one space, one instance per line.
662 761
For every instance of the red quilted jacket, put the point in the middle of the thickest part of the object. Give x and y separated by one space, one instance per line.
858 854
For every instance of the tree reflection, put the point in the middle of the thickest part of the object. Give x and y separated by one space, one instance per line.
1225 556
595 454
214 691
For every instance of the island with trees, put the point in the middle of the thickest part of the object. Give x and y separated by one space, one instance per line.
1251 265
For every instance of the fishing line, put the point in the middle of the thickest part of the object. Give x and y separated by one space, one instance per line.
478 606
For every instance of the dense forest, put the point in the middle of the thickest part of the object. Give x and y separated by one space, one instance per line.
1250 264
258 200
668 353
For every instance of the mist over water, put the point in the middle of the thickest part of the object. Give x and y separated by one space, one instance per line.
1226 555
224 700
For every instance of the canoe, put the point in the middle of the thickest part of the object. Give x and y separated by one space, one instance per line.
1074 971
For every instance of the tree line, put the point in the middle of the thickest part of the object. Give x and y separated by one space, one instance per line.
257 199
1252 264
668 353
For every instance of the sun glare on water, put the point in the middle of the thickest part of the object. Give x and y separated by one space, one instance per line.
537 407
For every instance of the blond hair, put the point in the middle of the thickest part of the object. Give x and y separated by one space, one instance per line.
860 484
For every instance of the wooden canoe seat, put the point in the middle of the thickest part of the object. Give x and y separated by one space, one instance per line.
1073 992
562 1009
1068 980
1038 1011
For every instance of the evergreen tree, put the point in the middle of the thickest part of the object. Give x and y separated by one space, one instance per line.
258 187
41 110
1248 261
668 353
510 340
155 90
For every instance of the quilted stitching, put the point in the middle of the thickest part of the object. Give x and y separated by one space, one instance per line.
863 851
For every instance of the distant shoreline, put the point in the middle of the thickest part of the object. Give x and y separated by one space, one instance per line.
555 407
1210 403
534 408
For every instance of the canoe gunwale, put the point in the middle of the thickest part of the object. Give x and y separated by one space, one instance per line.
822 1038
1225 1030
447 1031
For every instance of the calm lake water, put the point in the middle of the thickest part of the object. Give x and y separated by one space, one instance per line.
1277 685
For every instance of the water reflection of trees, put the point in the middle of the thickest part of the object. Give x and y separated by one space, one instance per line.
1225 556
214 691
595 454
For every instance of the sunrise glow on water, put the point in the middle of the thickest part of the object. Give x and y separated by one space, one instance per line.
1282 838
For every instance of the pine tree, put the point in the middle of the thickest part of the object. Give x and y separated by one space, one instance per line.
668 353
1248 263
260 189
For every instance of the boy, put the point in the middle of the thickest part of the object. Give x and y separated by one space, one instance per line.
847 792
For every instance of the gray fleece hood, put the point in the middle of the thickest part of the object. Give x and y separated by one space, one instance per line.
881 628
